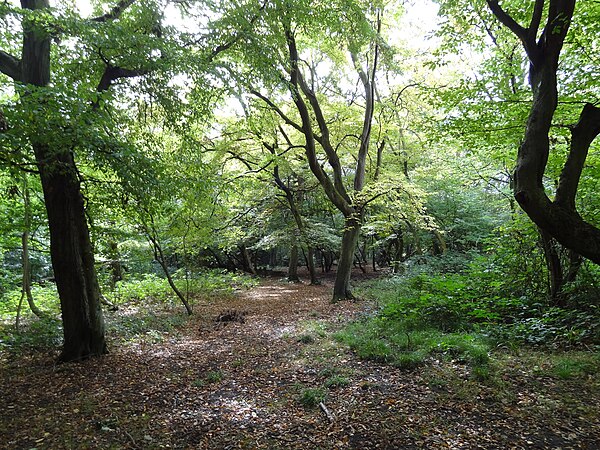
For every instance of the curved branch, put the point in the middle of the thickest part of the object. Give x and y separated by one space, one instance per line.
582 136
10 66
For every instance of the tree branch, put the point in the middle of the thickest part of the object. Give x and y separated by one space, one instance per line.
10 66
335 191
111 74
114 13
582 136
536 19
507 20
525 35
279 112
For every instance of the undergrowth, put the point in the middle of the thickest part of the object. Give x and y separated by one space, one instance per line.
146 298
461 308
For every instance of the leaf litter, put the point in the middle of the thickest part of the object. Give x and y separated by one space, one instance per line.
231 377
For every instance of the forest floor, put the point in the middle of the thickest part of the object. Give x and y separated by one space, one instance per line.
262 370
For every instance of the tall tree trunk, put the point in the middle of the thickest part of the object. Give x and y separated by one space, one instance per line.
116 268
341 287
70 245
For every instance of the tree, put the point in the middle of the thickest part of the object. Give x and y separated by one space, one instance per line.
558 217
286 29
52 134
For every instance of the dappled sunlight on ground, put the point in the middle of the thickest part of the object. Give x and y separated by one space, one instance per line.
211 384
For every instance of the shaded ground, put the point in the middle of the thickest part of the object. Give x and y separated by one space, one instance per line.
241 384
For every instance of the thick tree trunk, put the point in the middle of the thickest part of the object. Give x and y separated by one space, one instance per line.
293 264
72 256
558 218
70 245
247 265
341 287
439 243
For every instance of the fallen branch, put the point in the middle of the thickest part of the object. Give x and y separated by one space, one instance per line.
330 416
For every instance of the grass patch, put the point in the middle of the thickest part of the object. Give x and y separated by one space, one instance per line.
210 377
575 366
392 342
306 339
311 397
336 381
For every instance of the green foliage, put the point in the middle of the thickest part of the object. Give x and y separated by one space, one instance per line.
311 397
397 343
484 297
575 366
149 324
205 283
37 335
147 286
336 381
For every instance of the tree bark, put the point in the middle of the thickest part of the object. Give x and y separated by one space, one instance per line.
70 245
72 257
341 287
247 265
558 218
293 264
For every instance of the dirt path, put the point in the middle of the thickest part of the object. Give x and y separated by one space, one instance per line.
246 383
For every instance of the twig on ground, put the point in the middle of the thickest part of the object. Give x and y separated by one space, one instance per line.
330 416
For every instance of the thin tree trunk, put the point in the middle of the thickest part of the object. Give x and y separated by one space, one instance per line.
575 262
293 264
312 271
159 256
116 268
26 284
